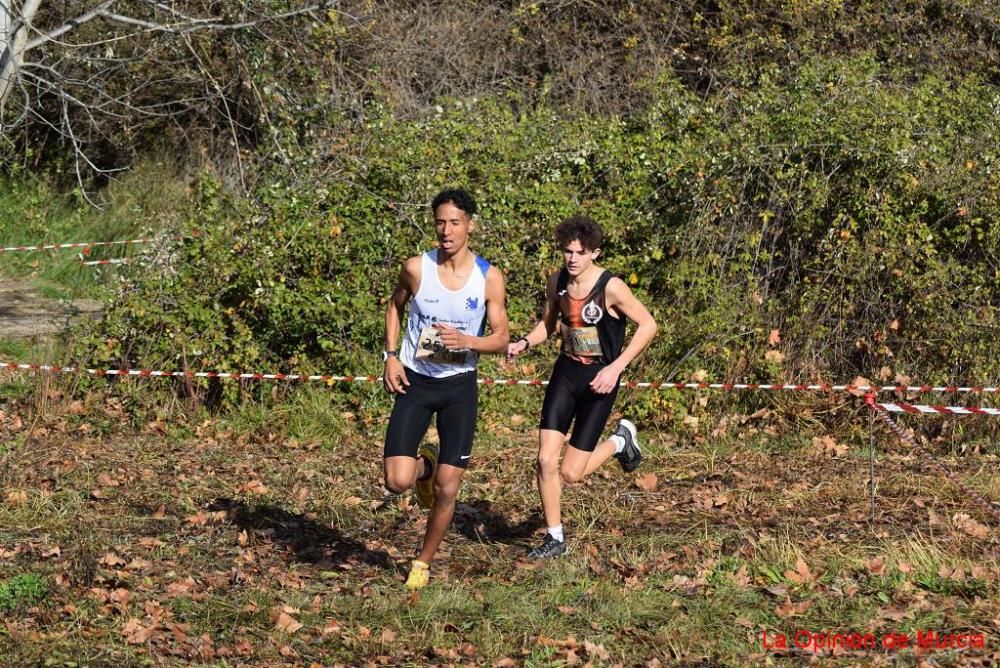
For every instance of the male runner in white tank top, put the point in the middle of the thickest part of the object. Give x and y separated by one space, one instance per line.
452 294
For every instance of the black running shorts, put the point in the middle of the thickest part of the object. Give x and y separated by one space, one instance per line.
569 396
454 399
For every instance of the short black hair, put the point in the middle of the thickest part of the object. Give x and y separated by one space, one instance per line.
460 197
580 228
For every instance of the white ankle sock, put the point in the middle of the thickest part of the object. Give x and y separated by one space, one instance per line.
556 532
619 443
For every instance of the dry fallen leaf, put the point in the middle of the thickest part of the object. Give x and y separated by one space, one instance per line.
646 482
876 566
801 573
970 526
774 338
287 623
775 356
112 560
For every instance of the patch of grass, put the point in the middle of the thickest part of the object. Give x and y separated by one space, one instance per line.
22 591
148 199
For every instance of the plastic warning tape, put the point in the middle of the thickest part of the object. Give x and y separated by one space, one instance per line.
952 410
819 387
883 412
94 263
328 378
81 244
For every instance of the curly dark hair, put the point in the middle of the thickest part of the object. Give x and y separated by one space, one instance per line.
580 228
459 197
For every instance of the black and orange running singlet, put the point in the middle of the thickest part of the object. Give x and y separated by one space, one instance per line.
590 334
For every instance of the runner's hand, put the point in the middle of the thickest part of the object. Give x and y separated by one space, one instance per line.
517 348
605 380
452 338
394 376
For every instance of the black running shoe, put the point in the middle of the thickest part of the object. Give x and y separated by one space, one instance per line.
549 549
630 456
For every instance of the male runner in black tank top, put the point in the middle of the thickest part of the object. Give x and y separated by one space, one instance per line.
590 306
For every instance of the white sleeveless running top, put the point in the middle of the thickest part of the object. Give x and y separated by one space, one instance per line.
464 309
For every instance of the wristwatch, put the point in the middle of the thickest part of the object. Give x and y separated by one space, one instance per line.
386 354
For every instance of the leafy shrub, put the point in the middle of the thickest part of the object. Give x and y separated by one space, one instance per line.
851 216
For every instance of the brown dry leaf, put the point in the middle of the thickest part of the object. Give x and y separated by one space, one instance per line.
505 662
135 633
99 495
352 501
104 480
17 497
287 623
876 566
970 526
775 356
740 577
112 560
860 381
517 420
388 635
646 482
904 567
826 444
364 632
256 487
774 338
801 573
160 513
181 587
789 609
199 519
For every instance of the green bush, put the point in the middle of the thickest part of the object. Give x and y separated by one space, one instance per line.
852 215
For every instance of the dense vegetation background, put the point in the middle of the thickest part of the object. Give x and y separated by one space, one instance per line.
825 169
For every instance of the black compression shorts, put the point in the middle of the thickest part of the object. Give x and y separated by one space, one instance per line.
454 399
569 396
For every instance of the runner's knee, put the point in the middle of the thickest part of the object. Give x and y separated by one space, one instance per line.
396 483
548 464
570 475
445 491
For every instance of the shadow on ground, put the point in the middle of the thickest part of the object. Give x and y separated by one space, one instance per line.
477 520
311 542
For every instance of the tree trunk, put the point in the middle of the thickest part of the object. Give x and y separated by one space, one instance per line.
13 37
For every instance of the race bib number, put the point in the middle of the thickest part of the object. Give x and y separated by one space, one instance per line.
584 342
430 348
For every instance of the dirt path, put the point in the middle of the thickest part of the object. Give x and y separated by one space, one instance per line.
25 313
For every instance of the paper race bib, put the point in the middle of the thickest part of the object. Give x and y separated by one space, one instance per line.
430 348
584 341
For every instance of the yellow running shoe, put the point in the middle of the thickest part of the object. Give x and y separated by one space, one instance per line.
420 575
424 489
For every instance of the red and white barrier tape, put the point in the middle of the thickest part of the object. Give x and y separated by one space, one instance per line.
881 411
82 244
823 387
820 387
952 410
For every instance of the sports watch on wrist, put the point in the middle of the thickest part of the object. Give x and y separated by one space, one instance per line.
386 354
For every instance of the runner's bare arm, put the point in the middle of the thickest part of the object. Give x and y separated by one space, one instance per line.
393 375
496 315
621 300
545 326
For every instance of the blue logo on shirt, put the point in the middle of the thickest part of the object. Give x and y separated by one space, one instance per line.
471 303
